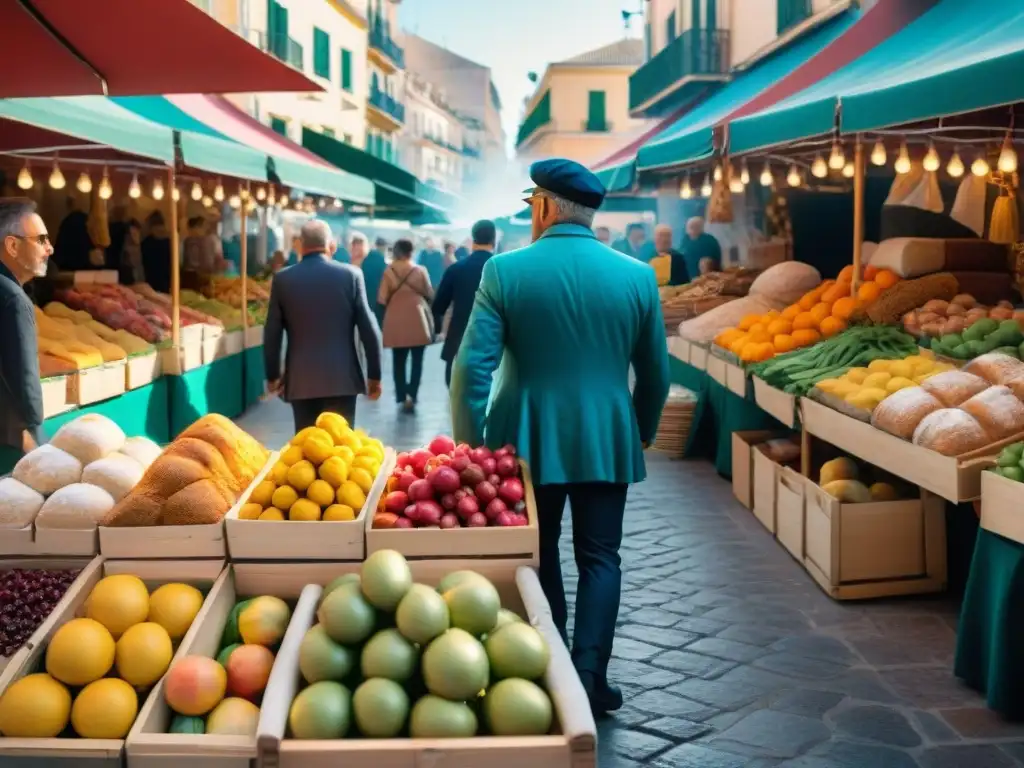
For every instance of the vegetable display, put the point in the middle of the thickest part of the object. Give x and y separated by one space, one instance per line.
963 329
849 483
1010 463
865 388
798 371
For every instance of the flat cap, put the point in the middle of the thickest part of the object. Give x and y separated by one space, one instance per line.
568 179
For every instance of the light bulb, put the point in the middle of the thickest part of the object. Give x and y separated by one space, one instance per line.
158 189
197 191
849 170
272 197
705 189
176 194
84 183
931 160
980 166
718 173
321 203
1007 162
819 169
56 177
745 174
235 202
25 180
338 203
766 176
106 191
793 177
134 189
207 201
955 167
261 193
836 158
735 186
685 190
903 160
218 192
878 154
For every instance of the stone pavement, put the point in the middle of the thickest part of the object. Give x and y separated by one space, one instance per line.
729 655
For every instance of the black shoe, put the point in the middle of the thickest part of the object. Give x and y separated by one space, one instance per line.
409 406
604 698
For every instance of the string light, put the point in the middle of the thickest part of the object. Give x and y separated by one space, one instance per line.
235 202
197 191
836 158
272 197
766 176
218 192
718 173
903 161
685 190
158 190
57 180
705 189
25 180
931 162
106 191
955 167
176 194
207 201
134 189
736 186
261 193
321 203
849 170
84 183
745 174
819 169
338 203
879 156
980 166
793 178
1007 162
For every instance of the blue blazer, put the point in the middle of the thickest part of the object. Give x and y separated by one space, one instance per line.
458 290
558 324
433 262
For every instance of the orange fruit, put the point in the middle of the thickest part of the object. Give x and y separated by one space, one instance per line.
765 351
868 292
806 336
760 336
836 292
844 308
808 300
846 274
726 338
749 352
784 343
748 321
830 326
781 325
870 272
819 312
738 345
886 279
791 311
803 321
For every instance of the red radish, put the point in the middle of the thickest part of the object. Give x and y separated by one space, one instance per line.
489 465
444 480
405 480
495 508
396 502
505 519
467 490
403 522
477 521
511 490
410 512
448 501
467 507
449 521
418 460
459 462
441 444
485 492
421 490
507 466
477 455
428 513
473 475
494 480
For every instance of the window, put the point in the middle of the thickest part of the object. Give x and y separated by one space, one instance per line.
277 29
321 54
329 132
695 14
346 69
347 138
670 28
596 120
711 14
279 125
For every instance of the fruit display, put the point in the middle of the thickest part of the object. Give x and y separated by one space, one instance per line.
229 316
963 329
682 302
798 371
73 481
228 290
324 474
27 595
196 479
391 658
98 667
163 301
70 340
864 388
449 486
222 696
120 308
820 314
844 480
909 294
1010 462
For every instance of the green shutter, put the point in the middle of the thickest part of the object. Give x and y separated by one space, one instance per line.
279 126
346 69
596 119
711 14
280 41
670 28
329 132
695 14
321 53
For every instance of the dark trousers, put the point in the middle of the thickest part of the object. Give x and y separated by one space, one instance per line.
406 382
597 513
448 373
306 412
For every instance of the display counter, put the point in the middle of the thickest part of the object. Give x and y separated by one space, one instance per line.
213 388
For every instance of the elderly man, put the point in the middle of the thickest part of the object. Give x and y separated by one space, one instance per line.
373 266
566 318
701 251
24 252
320 304
634 243
669 264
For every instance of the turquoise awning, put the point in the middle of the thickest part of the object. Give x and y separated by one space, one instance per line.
956 57
691 138
618 178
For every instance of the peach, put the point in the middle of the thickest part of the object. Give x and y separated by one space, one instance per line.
195 685
248 670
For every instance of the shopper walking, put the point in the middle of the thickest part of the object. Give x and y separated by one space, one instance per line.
320 304
405 294
566 318
457 291
25 250
432 260
373 266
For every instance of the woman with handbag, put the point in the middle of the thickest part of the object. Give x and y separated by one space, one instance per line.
405 293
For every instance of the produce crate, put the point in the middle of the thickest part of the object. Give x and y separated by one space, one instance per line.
764 492
142 370
790 492
254 336
189 353
55 395
231 343
572 745
743 452
32 541
523 543
679 348
92 385
954 478
776 403
1002 510
293 540
45 753
736 379
715 367
148 744
699 356
212 336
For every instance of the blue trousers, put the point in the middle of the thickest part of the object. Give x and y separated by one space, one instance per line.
597 513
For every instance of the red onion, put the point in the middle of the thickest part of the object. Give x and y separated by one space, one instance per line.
477 521
441 444
495 508
489 465
494 480
428 513
448 501
405 480
396 502
511 490
477 455
505 519
507 466
473 475
418 459
449 521
444 480
404 522
467 507
421 490
459 462
485 492
410 512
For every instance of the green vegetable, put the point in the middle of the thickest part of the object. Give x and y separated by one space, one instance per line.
1012 473
949 341
980 329
1010 456
187 725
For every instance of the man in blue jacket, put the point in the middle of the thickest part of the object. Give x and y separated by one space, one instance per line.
566 318
432 260
458 289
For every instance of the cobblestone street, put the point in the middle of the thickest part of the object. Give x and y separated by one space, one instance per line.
729 655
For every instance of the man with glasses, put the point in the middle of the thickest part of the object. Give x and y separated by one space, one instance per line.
566 318
25 249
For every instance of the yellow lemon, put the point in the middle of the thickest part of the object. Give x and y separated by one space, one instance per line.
174 607
339 513
300 476
362 478
304 510
284 497
334 471
34 707
81 651
371 450
272 513
321 493
304 434
351 495
351 440
345 453
318 448
369 463
279 474
143 654
291 455
333 424
117 602
105 709
250 511
261 493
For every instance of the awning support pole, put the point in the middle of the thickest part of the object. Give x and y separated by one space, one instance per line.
858 213
172 225
243 215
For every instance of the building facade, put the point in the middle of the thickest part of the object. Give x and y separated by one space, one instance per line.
580 108
432 144
385 106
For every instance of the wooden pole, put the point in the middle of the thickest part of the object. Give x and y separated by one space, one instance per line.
172 225
858 213
244 259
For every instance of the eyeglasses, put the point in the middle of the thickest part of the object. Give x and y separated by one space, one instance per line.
43 240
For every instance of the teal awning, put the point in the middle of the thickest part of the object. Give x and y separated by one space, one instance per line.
202 147
691 138
322 181
618 178
97 120
956 57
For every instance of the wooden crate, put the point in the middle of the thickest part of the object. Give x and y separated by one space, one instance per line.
142 370
573 744
254 336
765 486
743 452
699 356
55 395
188 355
1002 506
148 744
775 402
93 385
679 348
295 540
45 753
790 495
32 542
522 544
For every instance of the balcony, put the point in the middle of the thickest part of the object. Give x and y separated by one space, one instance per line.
538 117
697 57
385 111
387 54
287 50
791 13
437 141
596 125
474 152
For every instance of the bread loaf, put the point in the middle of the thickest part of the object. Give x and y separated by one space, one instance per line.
995 367
998 410
951 388
951 432
901 412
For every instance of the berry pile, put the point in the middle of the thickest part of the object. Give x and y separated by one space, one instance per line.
27 596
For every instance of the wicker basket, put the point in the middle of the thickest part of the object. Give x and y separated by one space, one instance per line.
676 421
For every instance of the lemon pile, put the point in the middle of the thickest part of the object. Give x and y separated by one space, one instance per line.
865 388
324 473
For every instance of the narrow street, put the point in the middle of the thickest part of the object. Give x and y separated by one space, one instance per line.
728 654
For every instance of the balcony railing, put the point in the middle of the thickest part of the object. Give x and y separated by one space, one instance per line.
287 50
695 52
388 104
591 125
791 13
382 41
440 142
539 116
471 152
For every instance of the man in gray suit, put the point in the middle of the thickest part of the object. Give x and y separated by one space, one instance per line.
320 304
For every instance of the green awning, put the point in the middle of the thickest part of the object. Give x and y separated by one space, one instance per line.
618 178
629 204
955 58
97 120
322 181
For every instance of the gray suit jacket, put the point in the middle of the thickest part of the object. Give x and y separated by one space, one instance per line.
320 305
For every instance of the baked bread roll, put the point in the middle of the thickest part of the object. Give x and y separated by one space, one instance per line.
998 410
995 367
951 432
954 387
901 412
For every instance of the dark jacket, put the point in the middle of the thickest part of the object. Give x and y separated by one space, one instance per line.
321 305
156 262
21 396
458 290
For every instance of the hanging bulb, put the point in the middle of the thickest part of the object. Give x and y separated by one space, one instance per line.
879 156
793 177
207 201
931 161
106 191
235 202
218 192
158 190
849 170
56 177
1007 162
745 174
718 173
836 158
955 167
176 194
84 183
321 204
980 166
338 203
261 193
903 160
685 190
736 185
25 180
197 191
134 189
272 197
819 169
766 176
705 189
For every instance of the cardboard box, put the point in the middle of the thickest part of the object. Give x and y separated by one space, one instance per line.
142 370
743 463
775 402
789 511
93 385
189 353
765 486
55 395
736 379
